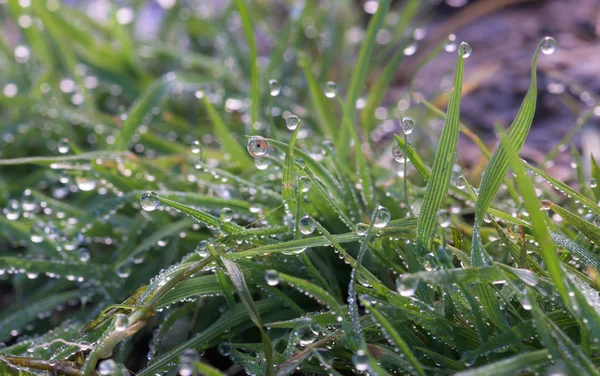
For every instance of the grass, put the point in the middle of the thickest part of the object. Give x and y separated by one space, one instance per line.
138 251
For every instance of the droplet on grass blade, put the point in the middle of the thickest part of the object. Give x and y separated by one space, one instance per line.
226 215
330 89
63 146
444 218
148 201
274 87
548 45
196 148
461 182
406 287
121 322
360 360
306 225
408 125
361 228
464 50
382 217
272 277
292 122
257 147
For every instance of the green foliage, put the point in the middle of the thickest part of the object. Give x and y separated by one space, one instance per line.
150 234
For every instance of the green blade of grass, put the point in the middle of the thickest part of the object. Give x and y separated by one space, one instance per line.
588 229
510 366
242 8
318 99
437 186
499 162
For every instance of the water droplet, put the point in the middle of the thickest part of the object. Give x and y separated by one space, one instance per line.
461 182
226 215
444 218
272 277
306 225
12 210
326 357
593 183
292 122
196 148
464 50
306 183
398 154
361 229
307 336
148 201
408 125
546 205
274 87
360 360
85 184
406 287
262 163
330 89
224 348
202 249
328 148
382 217
121 322
84 254
525 303
430 263
548 45
186 362
257 146
107 367
63 146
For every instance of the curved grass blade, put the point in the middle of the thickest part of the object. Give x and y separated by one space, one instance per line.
237 152
359 75
590 231
395 337
69 269
287 179
253 58
318 99
510 366
315 291
437 186
499 162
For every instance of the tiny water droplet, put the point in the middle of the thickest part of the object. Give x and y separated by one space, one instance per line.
148 201
307 336
292 122
444 218
464 50
306 183
360 360
107 367
12 210
226 215
398 154
272 277
406 287
121 322
548 45
451 43
430 263
63 146
196 148
525 303
186 362
202 249
262 163
461 182
327 148
274 87
382 217
306 225
361 229
257 146
593 183
224 348
408 125
330 89
326 357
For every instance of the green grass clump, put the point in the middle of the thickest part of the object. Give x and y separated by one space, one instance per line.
156 206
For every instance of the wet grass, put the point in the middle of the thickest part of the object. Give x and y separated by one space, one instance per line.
213 200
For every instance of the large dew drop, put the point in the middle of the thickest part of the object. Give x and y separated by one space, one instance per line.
148 201
406 287
382 217
330 89
306 225
464 50
226 215
461 182
272 277
63 146
274 88
196 148
257 147
361 229
107 367
548 45
306 183
121 322
398 154
292 122
360 360
408 125
186 362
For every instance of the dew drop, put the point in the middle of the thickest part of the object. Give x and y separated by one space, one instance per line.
262 163
444 218
186 362
272 277
257 146
121 322
461 182
306 183
330 89
361 228
430 263
224 348
307 336
525 303
360 360
226 215
593 183
107 367
306 225
196 148
398 154
548 45
12 210
408 125
546 205
274 87
292 122
326 357
202 249
63 146
85 184
451 43
382 217
464 50
148 201
406 287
